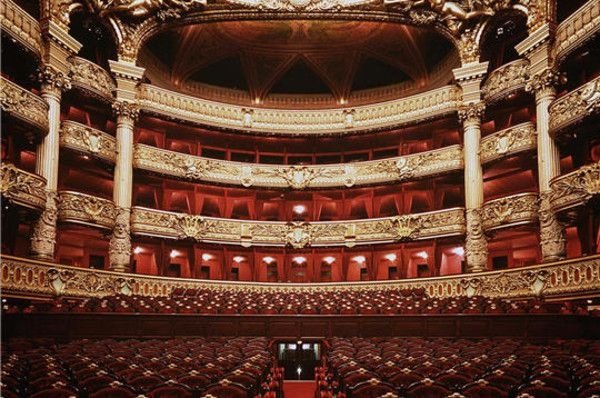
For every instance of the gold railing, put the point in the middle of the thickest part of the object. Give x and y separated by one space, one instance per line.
21 187
298 177
506 80
519 138
575 277
404 111
575 106
164 224
518 209
576 30
86 209
24 105
575 188
20 26
91 78
86 139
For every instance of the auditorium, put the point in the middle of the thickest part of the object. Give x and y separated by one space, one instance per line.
300 198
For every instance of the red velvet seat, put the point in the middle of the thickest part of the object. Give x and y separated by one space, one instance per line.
114 392
171 391
482 390
56 393
226 391
427 389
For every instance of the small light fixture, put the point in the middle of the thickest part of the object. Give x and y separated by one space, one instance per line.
239 259
137 250
85 157
329 260
299 259
206 257
359 259
299 209
423 254
459 251
173 253
268 259
391 257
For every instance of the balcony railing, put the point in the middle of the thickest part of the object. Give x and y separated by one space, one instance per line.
519 138
86 209
91 78
575 188
509 211
505 80
576 30
20 26
575 106
22 188
24 106
86 139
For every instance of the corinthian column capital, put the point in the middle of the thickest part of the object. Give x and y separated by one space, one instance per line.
471 113
52 80
126 110
120 242
543 84
43 237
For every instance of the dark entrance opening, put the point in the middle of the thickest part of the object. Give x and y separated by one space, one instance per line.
299 359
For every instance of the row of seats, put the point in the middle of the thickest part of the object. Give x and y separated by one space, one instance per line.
237 302
458 368
199 367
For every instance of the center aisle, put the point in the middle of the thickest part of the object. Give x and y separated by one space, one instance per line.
299 389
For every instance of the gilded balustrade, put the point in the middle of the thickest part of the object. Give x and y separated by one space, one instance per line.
298 177
24 106
575 277
86 139
21 187
505 80
91 78
576 30
431 104
575 106
164 224
80 208
508 211
20 26
519 138
575 188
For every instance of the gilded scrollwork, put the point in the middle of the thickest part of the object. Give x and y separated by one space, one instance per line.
21 187
86 209
521 137
119 250
190 226
510 210
575 188
136 9
83 138
43 237
506 80
476 252
575 106
23 105
92 78
552 233
298 235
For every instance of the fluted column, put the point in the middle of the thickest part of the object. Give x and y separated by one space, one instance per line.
476 244
552 234
43 237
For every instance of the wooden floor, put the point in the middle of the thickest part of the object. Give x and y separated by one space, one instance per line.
298 389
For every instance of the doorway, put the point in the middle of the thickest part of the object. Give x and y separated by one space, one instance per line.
299 359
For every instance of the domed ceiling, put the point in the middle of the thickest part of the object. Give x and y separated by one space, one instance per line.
296 57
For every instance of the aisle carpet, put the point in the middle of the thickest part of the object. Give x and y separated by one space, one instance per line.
299 389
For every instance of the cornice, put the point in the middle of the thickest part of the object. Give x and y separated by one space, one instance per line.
21 27
507 142
574 107
24 106
80 208
579 28
395 169
165 224
509 211
22 188
86 139
575 188
578 276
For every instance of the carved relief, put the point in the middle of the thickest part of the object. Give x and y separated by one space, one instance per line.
189 226
476 244
405 227
575 188
91 77
83 138
126 110
552 234
87 209
544 83
21 187
24 105
20 26
162 9
509 141
53 80
505 80
510 210
575 106
577 29
119 250
43 237
298 235
471 113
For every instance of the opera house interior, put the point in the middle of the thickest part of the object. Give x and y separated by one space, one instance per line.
300 198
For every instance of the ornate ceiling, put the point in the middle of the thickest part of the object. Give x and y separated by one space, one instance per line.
297 57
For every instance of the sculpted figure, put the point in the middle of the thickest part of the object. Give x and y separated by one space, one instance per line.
448 9
143 8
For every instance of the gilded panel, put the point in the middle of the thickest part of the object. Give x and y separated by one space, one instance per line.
575 188
519 138
23 105
578 29
505 80
575 106
20 26
92 78
86 209
22 187
86 139
508 211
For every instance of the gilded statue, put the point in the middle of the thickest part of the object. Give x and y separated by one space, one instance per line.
145 8
447 9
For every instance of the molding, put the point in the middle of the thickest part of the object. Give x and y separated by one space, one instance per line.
86 139
577 30
24 106
21 27
298 177
92 79
505 80
22 188
176 106
575 106
507 142
165 224
580 276
80 208
510 211
576 188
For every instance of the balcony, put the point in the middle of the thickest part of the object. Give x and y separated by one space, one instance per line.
507 142
86 209
510 211
575 106
22 188
575 188
24 107
21 27
88 140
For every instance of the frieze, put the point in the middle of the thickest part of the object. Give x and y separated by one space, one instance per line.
577 29
581 276
575 188
519 138
21 187
196 168
405 111
86 139
575 106
508 211
505 80
92 78
21 26
86 209
24 105
172 225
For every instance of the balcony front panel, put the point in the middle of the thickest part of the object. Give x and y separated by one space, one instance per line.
505 80
91 78
298 177
576 30
80 208
509 211
573 107
510 141
22 188
298 235
86 139
24 106
575 188
20 26
579 276
410 110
